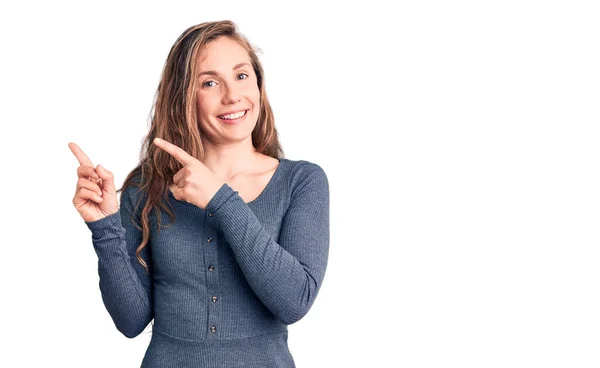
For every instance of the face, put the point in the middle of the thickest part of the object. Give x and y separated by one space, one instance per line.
226 83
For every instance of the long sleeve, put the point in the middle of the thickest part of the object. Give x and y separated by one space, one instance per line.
286 276
125 287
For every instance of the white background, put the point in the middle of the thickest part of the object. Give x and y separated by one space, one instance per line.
460 140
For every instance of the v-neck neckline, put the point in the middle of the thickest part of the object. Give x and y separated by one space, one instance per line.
265 189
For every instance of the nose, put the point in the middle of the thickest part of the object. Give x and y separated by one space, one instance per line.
231 95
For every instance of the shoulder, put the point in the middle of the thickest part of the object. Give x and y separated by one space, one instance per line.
133 191
303 174
303 169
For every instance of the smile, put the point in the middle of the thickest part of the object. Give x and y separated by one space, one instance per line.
233 118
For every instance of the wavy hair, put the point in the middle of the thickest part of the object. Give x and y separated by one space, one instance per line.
174 118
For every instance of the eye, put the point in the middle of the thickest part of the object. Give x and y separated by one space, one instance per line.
211 81
204 84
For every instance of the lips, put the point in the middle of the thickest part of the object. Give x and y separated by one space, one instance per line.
234 121
232 112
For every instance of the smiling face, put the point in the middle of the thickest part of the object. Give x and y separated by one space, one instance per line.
226 83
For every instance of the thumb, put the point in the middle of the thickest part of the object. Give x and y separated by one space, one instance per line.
108 182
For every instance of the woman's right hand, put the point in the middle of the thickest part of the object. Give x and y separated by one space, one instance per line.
95 194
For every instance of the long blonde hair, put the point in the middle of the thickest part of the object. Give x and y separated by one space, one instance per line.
174 118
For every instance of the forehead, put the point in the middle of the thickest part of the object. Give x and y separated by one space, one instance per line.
222 53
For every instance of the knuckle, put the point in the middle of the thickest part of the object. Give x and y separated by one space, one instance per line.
85 170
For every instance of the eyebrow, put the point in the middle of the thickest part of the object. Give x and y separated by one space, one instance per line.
212 72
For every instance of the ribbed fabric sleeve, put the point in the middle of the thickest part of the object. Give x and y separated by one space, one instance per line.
286 276
125 287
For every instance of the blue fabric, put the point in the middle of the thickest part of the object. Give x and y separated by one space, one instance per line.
225 281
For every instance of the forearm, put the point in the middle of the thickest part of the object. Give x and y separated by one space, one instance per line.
125 297
286 283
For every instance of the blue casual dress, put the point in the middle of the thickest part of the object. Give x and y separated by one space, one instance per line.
224 281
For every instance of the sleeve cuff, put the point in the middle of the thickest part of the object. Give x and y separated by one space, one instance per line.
105 226
221 197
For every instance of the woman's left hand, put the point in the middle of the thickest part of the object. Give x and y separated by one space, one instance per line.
194 183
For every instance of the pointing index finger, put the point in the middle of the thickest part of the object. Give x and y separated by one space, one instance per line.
175 151
83 159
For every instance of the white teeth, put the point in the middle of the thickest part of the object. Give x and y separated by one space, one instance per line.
233 116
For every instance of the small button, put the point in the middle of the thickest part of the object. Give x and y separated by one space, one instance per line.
213 329
211 268
214 299
209 240
210 215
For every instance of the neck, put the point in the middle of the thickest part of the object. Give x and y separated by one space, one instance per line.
228 161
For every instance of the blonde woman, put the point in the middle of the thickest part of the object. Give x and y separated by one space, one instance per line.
245 251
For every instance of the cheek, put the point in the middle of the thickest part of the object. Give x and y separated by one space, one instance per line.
203 105
255 93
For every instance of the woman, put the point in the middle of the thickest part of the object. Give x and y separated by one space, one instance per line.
246 250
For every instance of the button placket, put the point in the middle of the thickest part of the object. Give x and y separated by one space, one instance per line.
212 287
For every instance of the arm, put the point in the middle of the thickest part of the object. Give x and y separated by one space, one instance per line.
125 287
285 276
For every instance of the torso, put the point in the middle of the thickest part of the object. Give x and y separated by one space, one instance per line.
249 187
